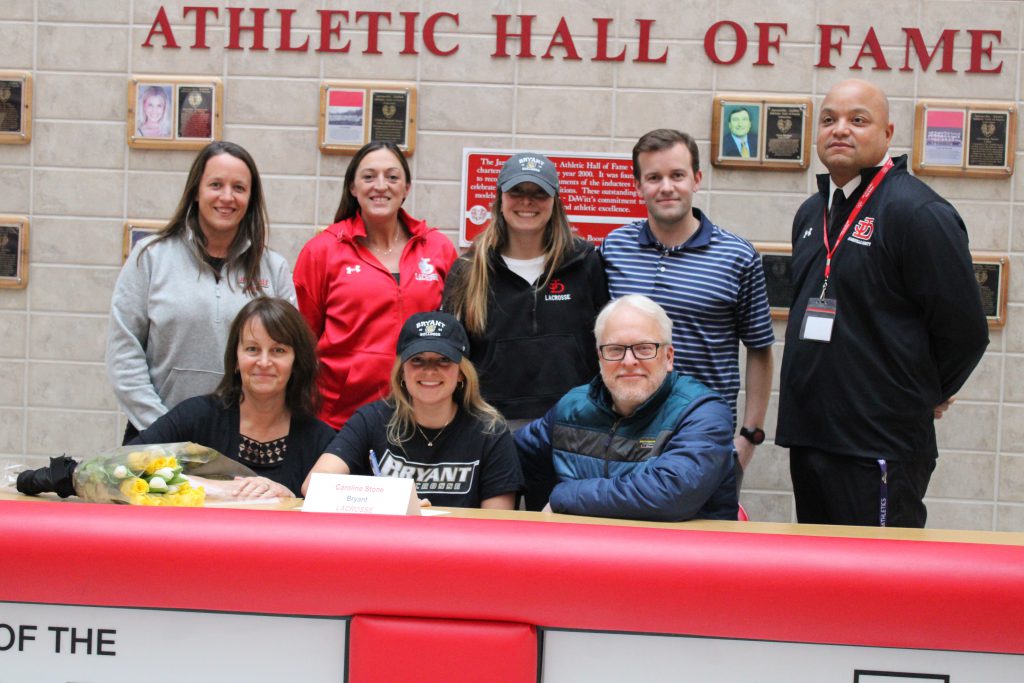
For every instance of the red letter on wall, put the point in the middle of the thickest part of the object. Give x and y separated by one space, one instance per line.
602 42
562 38
428 33
712 35
871 48
201 12
978 50
235 28
327 31
161 27
372 29
945 42
285 43
409 47
828 45
645 44
502 35
765 41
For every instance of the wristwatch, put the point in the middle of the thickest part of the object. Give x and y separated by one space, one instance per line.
754 436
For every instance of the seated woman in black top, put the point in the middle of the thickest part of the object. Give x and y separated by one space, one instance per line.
434 427
263 413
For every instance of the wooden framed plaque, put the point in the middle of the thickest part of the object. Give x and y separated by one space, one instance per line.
964 138
991 270
15 107
13 252
354 113
775 261
761 131
135 231
174 112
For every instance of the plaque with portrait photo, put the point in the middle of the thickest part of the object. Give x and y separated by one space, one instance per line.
354 113
964 138
13 252
740 130
763 132
154 111
15 107
173 112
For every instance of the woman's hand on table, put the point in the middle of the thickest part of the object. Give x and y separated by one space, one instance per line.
260 487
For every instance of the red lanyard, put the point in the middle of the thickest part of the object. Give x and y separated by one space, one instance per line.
831 251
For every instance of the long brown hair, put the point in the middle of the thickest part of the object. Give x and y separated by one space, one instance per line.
349 205
469 293
246 250
402 425
285 325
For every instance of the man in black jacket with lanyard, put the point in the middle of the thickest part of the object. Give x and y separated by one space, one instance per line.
885 325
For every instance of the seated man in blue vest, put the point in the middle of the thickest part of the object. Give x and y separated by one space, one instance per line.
640 441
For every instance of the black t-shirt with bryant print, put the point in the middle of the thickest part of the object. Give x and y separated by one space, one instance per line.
464 466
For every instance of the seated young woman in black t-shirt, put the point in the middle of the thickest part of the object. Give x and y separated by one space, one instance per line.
263 413
434 427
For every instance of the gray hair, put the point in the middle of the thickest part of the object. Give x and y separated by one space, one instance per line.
637 302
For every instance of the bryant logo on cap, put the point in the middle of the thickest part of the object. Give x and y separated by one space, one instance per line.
430 328
531 164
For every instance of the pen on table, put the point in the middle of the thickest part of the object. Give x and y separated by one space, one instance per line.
374 465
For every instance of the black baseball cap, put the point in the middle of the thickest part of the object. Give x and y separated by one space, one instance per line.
433 331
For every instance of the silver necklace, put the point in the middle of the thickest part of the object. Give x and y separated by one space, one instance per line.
387 252
430 442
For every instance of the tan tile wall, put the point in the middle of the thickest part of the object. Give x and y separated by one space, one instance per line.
78 181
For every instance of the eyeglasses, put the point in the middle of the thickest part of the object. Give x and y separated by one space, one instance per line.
537 196
421 363
641 351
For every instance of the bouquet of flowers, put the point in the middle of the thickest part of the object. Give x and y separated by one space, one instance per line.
143 475
138 475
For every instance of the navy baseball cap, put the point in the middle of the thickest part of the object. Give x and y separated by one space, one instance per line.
433 331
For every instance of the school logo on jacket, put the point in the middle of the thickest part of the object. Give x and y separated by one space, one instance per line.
262 283
443 477
427 271
556 292
862 231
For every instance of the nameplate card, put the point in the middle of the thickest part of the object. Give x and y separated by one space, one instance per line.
361 495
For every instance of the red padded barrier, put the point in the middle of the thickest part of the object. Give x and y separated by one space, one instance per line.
956 596
396 649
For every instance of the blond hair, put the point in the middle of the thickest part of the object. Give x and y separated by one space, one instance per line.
402 425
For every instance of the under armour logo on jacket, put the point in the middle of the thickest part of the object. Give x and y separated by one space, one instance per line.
351 269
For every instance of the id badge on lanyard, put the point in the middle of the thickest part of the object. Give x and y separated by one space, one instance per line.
820 314
818 320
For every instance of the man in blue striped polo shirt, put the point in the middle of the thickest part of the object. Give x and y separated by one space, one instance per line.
708 280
